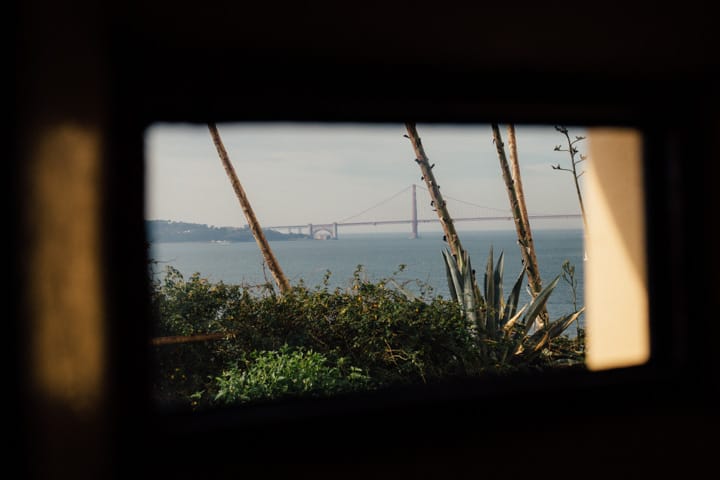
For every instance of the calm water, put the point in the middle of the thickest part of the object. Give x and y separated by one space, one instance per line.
380 254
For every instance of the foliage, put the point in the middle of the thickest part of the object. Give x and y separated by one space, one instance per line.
319 342
287 372
568 275
505 332
195 306
393 337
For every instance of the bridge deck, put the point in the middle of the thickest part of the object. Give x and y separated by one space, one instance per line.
423 220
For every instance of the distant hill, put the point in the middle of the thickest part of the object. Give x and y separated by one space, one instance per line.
171 231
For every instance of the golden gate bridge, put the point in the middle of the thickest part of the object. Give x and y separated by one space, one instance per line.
329 230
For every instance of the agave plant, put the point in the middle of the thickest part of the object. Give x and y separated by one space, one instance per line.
495 321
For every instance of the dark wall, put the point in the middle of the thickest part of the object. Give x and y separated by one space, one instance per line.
118 66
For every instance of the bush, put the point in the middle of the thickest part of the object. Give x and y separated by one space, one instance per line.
288 372
391 336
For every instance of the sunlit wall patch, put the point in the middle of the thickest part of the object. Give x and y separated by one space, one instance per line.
618 331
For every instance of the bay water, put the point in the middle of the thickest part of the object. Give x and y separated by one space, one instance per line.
381 255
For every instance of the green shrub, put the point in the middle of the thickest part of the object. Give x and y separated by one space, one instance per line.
287 372
195 306
378 327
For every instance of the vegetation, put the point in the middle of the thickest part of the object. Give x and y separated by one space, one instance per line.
576 158
490 319
503 330
317 341
287 372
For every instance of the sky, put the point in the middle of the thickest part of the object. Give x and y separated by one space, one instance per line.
322 173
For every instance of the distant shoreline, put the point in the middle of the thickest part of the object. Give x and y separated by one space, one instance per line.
169 231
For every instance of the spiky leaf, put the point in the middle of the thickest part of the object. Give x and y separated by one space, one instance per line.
497 300
452 275
513 298
490 311
456 274
557 327
538 304
542 337
507 328
469 300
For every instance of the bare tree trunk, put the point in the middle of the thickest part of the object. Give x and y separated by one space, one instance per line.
272 263
446 221
438 203
517 182
517 179
513 185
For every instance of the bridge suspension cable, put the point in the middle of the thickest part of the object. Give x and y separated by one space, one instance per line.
503 214
376 205
503 210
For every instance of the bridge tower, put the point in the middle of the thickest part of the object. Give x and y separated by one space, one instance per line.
414 223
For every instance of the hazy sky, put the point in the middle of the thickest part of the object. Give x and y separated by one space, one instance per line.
315 173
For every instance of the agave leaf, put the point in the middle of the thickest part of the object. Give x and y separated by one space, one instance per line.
540 345
507 328
461 285
408 294
452 275
456 275
538 303
480 303
488 274
499 271
469 300
490 293
515 337
559 326
510 323
555 329
512 302
541 341
538 340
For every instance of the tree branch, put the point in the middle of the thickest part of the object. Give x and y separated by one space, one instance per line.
514 190
438 202
253 224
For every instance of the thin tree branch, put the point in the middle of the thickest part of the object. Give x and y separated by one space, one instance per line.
573 162
257 231
174 340
517 179
527 249
438 202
